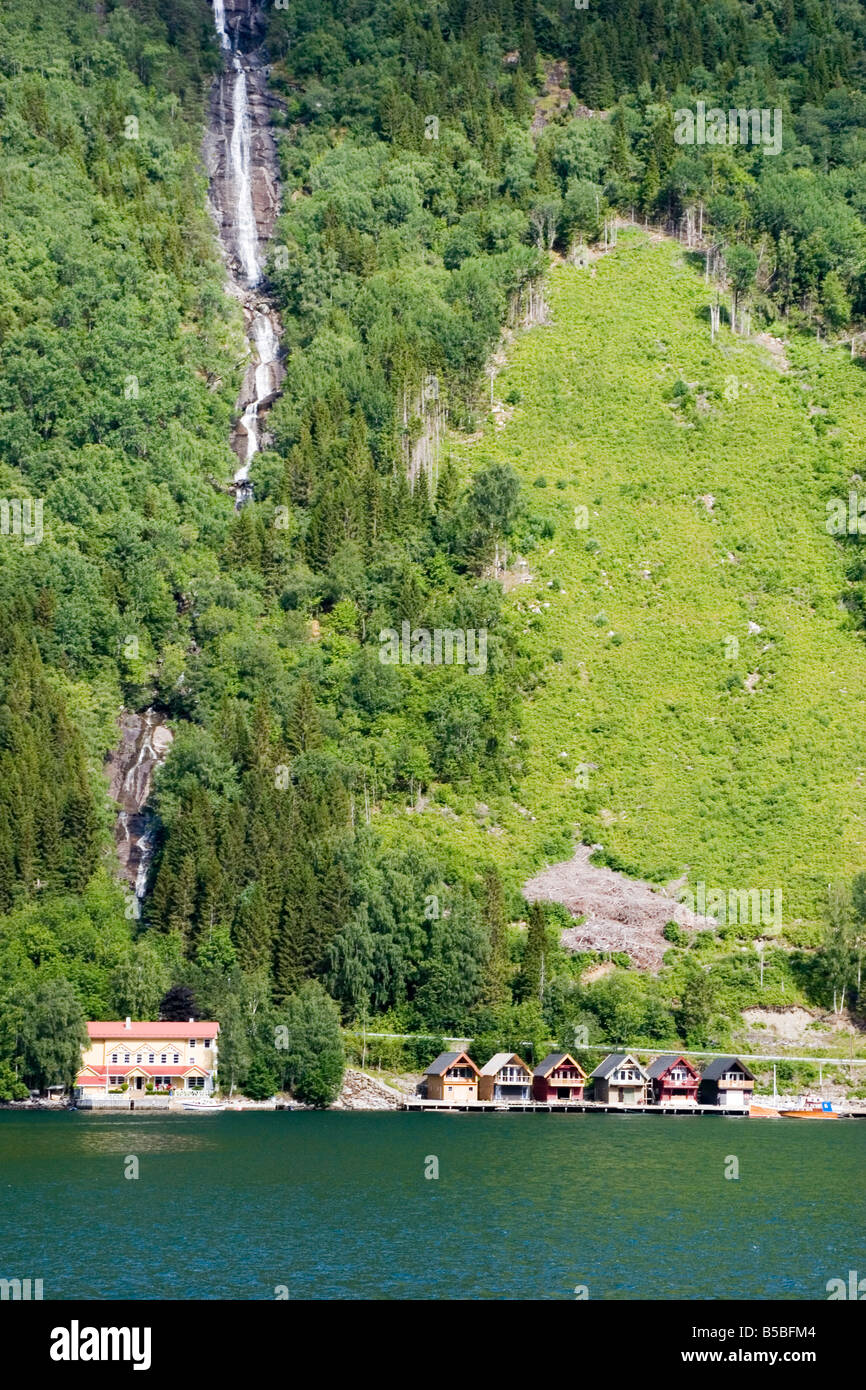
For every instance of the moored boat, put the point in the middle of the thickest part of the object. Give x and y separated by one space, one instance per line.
206 1107
815 1112
763 1111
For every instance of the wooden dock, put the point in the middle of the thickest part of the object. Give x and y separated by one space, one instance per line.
565 1107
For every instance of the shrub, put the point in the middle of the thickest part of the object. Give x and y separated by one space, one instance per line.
261 1083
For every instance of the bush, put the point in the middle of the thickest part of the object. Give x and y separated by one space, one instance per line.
261 1083
11 1087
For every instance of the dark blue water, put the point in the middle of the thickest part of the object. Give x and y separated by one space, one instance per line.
337 1206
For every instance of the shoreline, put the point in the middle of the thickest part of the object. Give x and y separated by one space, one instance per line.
418 1104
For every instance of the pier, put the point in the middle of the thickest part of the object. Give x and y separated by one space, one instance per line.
566 1107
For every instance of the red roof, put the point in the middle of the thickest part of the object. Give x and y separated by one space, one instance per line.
201 1028
99 1073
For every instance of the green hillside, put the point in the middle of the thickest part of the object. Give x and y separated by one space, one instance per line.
759 787
350 840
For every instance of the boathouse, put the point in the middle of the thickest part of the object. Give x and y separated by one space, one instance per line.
726 1081
673 1080
452 1076
505 1077
558 1077
620 1080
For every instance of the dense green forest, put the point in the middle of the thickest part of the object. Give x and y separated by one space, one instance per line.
420 207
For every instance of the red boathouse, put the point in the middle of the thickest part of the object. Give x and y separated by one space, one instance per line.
674 1080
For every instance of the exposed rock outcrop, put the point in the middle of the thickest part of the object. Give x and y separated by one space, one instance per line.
362 1092
144 742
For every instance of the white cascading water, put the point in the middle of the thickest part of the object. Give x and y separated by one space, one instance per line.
234 198
243 167
219 14
144 743
240 160
267 348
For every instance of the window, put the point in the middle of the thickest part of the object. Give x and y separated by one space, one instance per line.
163 1059
206 1042
192 1042
114 1056
176 1058
126 1056
115 1080
150 1058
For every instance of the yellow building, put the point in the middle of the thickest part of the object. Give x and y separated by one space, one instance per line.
167 1056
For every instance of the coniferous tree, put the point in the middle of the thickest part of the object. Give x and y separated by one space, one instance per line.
496 990
303 730
534 953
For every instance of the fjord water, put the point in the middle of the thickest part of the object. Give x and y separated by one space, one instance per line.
336 1205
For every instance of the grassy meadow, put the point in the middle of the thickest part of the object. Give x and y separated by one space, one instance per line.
706 745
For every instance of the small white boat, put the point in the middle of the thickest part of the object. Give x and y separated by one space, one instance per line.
206 1107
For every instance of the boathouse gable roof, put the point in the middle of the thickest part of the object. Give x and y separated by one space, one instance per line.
614 1060
554 1060
657 1069
446 1060
719 1065
500 1060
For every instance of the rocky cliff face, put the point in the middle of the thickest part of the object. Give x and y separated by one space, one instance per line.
144 742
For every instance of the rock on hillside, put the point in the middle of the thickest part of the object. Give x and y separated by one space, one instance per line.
362 1092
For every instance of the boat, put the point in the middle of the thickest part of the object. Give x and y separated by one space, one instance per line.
205 1107
820 1112
763 1111
812 1111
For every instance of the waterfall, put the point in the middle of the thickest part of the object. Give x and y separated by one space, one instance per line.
241 159
240 155
144 743
219 14
244 196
